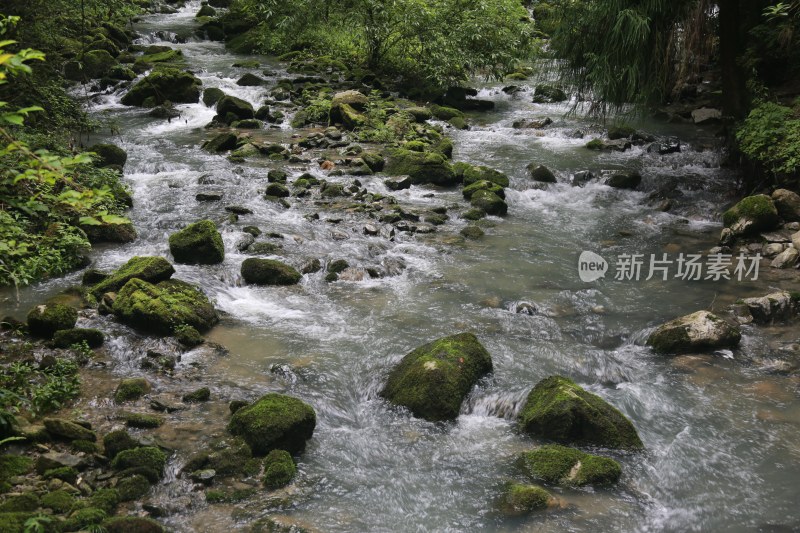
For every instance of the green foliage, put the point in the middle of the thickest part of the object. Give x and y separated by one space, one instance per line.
771 136
37 524
39 390
438 42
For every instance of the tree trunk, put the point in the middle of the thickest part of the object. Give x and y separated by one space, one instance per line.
734 94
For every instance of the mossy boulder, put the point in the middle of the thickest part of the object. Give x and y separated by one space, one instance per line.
473 174
20 503
132 488
212 95
142 421
163 307
109 155
221 142
64 429
489 202
131 524
357 100
752 215
94 64
697 332
118 441
227 457
188 336
624 180
519 499
230 109
145 268
105 499
787 204
433 380
59 501
197 244
483 185
203 394
274 422
279 469
83 518
347 116
118 233
559 410
445 113
422 167
541 173
269 272
65 338
148 457
560 465
46 319
546 94
14 465
165 84
131 389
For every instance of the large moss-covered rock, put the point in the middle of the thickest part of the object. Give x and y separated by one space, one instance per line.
546 94
347 116
226 457
65 338
148 457
93 64
117 441
117 233
559 410
131 389
473 174
354 99
269 272
489 202
177 86
212 95
787 204
518 499
752 215
160 308
541 173
221 142
197 244
624 180
145 268
275 422
483 185
109 154
561 465
422 167
45 319
698 332
64 429
230 109
279 469
433 380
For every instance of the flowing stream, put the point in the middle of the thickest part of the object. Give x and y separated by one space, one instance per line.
721 432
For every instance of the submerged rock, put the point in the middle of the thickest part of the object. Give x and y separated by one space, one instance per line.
269 272
433 380
698 332
561 465
752 215
197 244
163 307
520 499
131 389
274 422
541 173
558 409
624 180
145 268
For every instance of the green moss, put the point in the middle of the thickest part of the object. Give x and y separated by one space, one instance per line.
44 320
474 214
547 94
105 499
118 441
146 456
82 518
65 338
132 488
164 84
445 113
64 473
422 167
567 466
188 336
64 429
560 410
759 209
109 155
224 496
59 501
620 132
85 446
21 503
131 389
269 272
13 522
474 174
595 144
131 524
163 307
481 185
202 394
275 421
151 269
279 469
14 465
519 499
434 379
139 420
489 202
197 244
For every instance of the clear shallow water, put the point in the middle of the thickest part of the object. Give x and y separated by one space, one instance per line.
721 434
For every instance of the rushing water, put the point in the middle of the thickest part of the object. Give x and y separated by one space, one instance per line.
721 433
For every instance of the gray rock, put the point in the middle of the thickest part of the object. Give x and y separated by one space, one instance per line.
706 115
772 249
785 259
698 332
788 204
775 307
